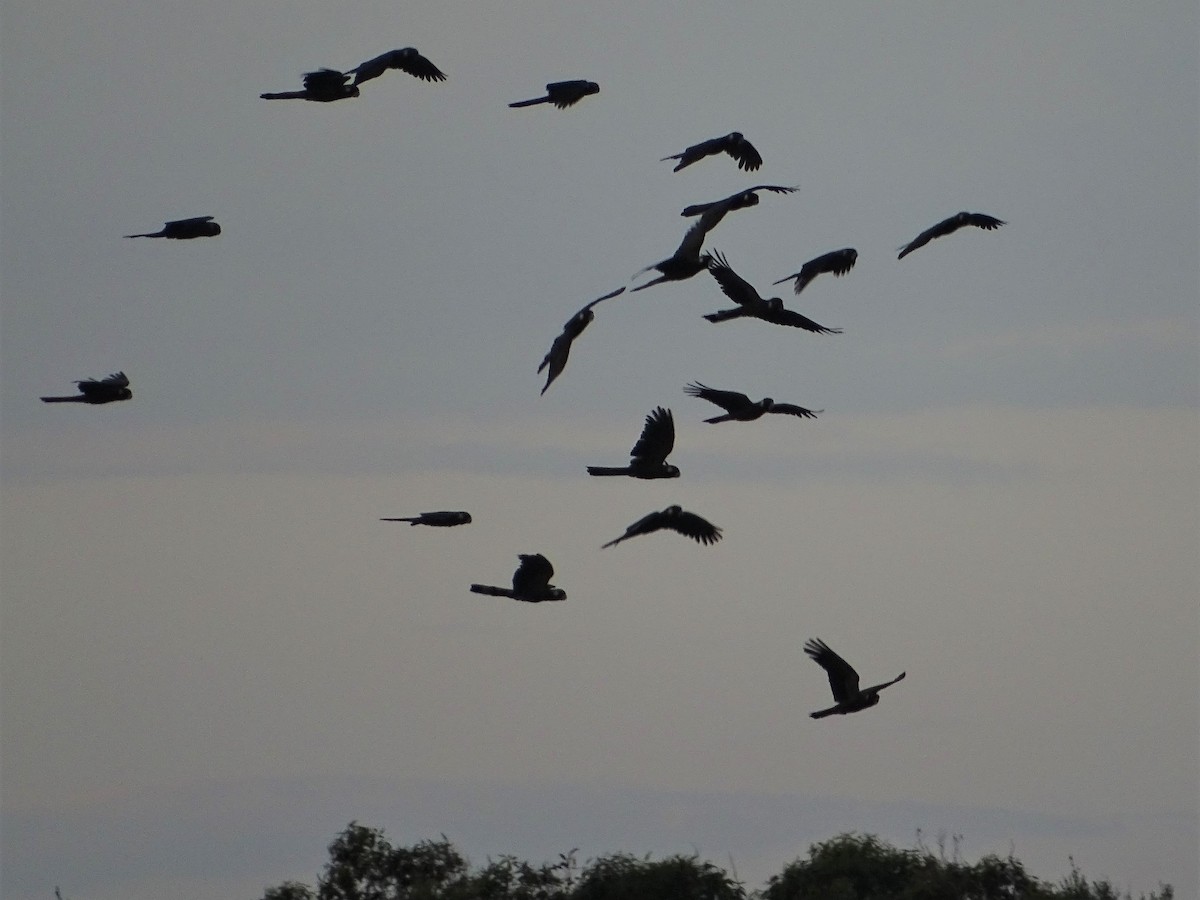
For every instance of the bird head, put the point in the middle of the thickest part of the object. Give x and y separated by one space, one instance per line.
774 304
560 594
463 518
673 511
767 403
671 471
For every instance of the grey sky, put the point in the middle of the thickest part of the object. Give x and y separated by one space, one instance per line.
214 656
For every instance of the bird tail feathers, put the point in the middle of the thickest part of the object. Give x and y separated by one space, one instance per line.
534 102
491 590
606 470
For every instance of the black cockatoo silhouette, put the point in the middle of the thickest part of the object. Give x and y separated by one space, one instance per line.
837 262
563 93
531 582
648 458
321 86
844 682
184 229
750 305
949 226
740 408
733 144
674 518
556 357
406 59
440 519
105 390
740 200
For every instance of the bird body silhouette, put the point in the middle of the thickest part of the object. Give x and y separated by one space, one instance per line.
844 682
836 262
563 93
531 582
321 86
674 518
733 143
740 408
740 200
105 390
648 458
184 229
949 226
439 519
406 59
556 357
750 305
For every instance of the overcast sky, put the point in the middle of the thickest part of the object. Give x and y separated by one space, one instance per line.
214 655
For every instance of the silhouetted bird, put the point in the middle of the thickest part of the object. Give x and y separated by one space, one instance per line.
751 306
563 93
733 144
675 519
531 582
648 458
556 358
949 226
844 682
321 86
837 262
106 390
740 200
406 59
687 260
740 408
440 519
185 229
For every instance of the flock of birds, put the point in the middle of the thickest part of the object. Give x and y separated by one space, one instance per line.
648 458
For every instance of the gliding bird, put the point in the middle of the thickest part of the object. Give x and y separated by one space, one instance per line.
740 200
740 408
676 519
648 458
407 59
531 582
751 305
556 358
844 682
949 226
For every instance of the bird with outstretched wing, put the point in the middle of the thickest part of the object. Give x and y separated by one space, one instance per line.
673 518
949 226
556 357
740 408
843 680
648 458
733 144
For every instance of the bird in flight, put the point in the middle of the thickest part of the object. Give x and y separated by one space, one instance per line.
439 519
687 260
949 226
407 59
531 582
563 93
648 458
321 86
844 682
674 518
184 229
106 390
740 408
751 305
740 200
556 357
837 262
733 144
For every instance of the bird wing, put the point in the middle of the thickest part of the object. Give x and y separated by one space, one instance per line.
785 316
657 439
187 223
730 401
607 296
986 222
875 689
693 240
325 79
410 61
790 409
533 574
697 208
120 379
733 286
110 385
693 526
743 151
843 680
838 262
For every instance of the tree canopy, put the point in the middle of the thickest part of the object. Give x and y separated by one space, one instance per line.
363 865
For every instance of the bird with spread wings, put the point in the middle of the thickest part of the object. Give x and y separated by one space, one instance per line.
740 200
648 458
844 682
530 584
949 226
752 306
406 59
748 159
835 262
556 357
740 408
673 518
